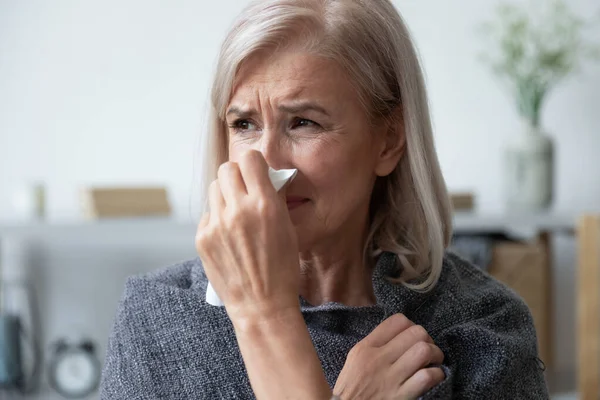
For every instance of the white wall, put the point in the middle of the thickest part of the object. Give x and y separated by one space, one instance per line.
110 92
474 116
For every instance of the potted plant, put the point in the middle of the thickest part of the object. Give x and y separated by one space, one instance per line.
533 50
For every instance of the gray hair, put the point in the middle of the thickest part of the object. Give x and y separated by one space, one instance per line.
410 209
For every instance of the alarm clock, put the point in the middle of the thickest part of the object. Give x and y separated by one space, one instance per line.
74 370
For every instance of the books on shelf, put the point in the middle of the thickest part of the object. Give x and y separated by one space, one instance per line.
462 201
115 202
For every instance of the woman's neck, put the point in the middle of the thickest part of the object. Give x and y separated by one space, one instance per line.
333 267
336 276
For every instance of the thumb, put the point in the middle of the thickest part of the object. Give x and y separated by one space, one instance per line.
282 193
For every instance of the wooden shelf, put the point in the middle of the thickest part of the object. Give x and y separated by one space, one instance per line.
133 227
463 221
466 221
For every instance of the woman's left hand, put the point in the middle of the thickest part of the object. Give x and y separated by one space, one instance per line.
398 360
247 243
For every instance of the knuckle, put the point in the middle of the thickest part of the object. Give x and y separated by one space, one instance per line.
357 352
419 333
203 221
250 156
264 208
422 350
398 323
232 216
200 241
399 318
202 233
226 168
214 188
223 167
429 376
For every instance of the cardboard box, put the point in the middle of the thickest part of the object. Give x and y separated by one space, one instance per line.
119 202
462 201
524 267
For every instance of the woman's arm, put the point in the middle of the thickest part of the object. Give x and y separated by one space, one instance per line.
127 373
280 358
249 250
493 356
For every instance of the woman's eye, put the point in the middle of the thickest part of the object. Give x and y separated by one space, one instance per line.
302 123
242 125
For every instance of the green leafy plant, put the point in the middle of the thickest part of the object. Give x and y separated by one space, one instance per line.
534 49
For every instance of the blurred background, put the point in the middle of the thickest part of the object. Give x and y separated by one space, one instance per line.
108 94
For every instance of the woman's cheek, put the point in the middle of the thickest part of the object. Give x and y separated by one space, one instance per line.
326 177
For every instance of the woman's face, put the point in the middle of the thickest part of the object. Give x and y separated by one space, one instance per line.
301 111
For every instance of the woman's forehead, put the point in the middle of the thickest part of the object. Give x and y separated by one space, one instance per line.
290 76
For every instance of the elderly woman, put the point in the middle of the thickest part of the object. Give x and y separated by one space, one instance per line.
339 285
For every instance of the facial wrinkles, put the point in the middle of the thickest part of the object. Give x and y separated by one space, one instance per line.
273 124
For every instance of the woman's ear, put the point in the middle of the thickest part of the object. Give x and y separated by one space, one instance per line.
392 146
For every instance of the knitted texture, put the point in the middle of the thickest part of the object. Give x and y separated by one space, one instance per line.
168 343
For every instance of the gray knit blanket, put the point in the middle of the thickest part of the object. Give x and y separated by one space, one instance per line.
168 343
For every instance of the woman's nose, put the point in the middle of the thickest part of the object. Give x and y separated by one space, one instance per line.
271 146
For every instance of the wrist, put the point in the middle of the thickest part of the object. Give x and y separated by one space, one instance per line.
265 318
279 355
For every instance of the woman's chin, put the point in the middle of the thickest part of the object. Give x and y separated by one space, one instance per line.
303 234
298 213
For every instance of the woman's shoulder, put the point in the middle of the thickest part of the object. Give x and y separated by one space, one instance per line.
179 276
464 281
181 284
485 330
473 290
467 296
166 331
463 292
464 295
162 301
463 277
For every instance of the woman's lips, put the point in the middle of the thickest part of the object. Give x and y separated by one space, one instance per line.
295 201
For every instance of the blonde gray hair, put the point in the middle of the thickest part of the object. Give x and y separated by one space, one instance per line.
410 208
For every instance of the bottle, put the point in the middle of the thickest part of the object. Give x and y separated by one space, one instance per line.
19 319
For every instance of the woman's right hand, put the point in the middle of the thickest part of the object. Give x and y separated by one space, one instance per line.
395 361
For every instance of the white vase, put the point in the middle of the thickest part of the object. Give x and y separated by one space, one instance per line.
529 171
28 202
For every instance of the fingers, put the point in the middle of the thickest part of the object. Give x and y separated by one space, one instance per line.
200 234
419 356
388 330
215 201
422 382
255 172
231 182
406 340
203 221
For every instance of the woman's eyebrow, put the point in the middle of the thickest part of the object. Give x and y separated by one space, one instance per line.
299 107
292 108
240 113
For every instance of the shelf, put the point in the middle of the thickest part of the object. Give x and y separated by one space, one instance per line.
43 394
144 227
133 227
474 222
